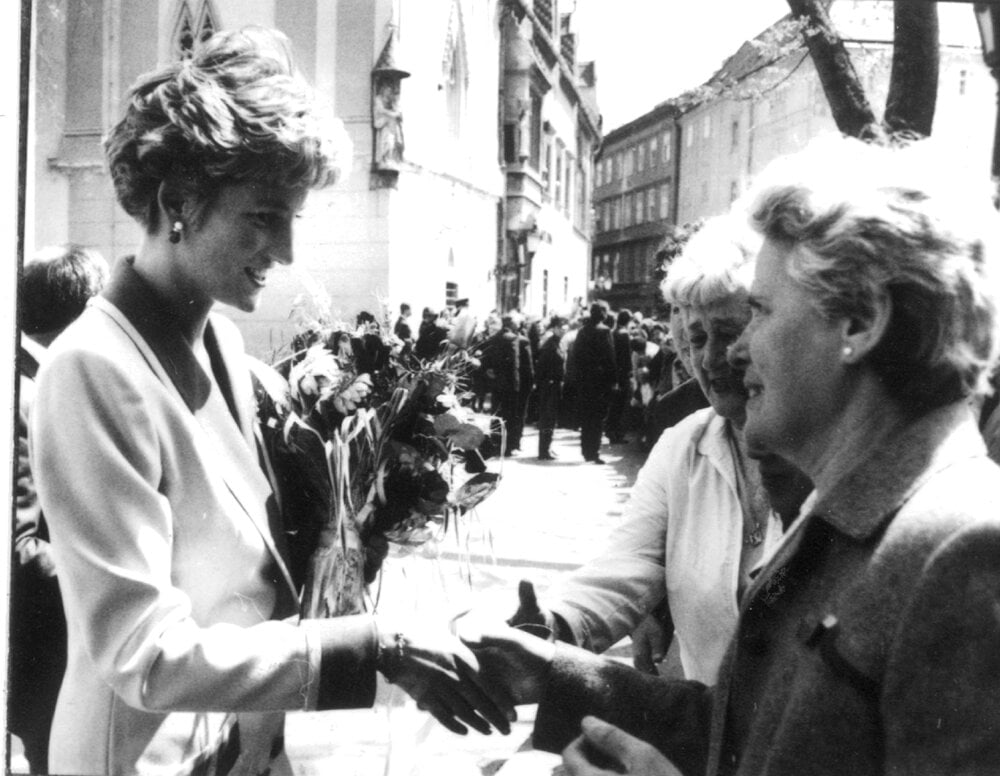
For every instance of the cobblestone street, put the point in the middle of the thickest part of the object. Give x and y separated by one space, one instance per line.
546 518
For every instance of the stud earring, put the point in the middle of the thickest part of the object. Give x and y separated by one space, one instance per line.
175 232
848 351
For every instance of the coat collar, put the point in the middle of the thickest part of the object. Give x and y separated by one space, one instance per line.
30 355
883 478
713 443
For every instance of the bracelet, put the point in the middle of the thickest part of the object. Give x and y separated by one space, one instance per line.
389 660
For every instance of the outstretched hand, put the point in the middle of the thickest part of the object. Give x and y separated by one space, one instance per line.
443 676
511 658
604 750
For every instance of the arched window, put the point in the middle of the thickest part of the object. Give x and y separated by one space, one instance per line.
193 26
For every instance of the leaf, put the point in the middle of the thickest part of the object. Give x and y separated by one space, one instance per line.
475 490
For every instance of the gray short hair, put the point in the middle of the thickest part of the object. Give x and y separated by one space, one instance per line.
716 263
866 221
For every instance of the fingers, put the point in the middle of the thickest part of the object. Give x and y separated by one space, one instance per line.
491 700
442 715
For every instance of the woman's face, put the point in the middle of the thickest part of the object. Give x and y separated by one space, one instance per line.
711 329
243 234
794 376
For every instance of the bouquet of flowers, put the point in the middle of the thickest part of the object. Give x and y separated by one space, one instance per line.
375 447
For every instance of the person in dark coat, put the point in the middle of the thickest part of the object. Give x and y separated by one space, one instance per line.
526 383
54 289
430 336
621 393
549 377
595 376
402 328
502 361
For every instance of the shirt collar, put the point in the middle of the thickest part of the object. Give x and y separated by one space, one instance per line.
883 478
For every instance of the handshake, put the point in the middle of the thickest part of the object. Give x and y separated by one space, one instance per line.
476 675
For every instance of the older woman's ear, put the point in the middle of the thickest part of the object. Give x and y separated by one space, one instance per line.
862 333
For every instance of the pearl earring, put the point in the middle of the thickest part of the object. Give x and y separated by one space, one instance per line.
848 351
175 232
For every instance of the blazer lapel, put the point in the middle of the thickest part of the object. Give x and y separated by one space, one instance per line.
229 433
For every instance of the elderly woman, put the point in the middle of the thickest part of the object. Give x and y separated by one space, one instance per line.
698 520
184 651
869 642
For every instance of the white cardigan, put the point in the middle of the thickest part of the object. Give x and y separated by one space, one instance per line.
682 535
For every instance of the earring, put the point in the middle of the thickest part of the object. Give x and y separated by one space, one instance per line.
848 351
175 232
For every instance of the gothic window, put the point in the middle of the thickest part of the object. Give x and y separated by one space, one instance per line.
193 28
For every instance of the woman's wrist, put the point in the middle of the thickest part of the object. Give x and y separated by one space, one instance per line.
391 651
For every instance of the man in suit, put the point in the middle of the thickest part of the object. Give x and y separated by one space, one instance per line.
595 375
621 393
502 362
54 289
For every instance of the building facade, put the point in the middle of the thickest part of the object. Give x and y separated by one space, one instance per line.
773 108
635 207
422 214
550 133
755 108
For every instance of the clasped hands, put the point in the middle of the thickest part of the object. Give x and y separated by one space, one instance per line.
475 677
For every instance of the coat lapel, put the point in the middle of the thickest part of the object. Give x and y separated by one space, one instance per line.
228 430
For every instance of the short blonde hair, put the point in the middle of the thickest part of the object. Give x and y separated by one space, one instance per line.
865 221
716 263
236 112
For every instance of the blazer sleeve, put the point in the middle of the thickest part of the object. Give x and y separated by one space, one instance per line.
674 716
604 600
941 695
97 459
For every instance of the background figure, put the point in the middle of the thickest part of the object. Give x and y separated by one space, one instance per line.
621 393
551 368
430 335
463 325
594 375
502 362
402 327
526 382
54 288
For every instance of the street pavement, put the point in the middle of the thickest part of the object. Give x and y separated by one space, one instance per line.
545 519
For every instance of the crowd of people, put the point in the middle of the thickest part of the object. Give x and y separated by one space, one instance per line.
816 524
610 374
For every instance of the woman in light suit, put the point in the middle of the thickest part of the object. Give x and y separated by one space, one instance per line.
184 651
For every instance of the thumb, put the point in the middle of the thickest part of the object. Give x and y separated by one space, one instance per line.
527 598
608 739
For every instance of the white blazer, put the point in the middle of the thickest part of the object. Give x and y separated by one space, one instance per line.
172 581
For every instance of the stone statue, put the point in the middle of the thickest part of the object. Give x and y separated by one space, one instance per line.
387 120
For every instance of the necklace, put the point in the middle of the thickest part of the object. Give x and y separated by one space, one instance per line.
754 534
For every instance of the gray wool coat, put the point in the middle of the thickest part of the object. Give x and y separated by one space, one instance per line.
869 644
